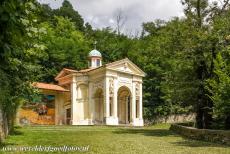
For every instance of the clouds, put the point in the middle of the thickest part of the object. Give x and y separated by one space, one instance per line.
102 13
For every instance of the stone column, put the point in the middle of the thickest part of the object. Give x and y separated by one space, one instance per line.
106 96
73 101
140 103
115 97
59 102
126 110
133 103
91 102
57 114
62 110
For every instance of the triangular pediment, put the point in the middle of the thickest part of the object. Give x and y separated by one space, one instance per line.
125 66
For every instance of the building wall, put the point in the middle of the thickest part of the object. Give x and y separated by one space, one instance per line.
80 101
30 113
84 109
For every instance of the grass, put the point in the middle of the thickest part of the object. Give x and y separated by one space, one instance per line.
157 139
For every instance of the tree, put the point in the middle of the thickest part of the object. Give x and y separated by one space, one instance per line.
65 47
178 57
120 21
167 87
18 57
219 88
218 85
67 10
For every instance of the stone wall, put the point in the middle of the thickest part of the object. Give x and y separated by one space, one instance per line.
219 136
177 118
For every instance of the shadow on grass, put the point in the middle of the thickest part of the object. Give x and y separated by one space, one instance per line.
196 143
146 132
6 144
16 132
165 132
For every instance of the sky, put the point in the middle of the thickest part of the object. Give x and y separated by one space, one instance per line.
102 13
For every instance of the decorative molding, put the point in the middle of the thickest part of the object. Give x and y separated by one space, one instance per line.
82 82
97 85
82 78
112 76
137 88
135 70
123 79
125 66
111 87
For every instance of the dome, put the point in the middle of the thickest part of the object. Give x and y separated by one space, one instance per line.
95 53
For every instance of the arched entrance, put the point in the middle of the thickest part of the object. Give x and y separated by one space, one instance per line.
99 106
124 105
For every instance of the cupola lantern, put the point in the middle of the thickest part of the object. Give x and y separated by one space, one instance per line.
95 58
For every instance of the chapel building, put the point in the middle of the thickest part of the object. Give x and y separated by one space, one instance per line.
109 94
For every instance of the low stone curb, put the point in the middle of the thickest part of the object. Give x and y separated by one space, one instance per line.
218 136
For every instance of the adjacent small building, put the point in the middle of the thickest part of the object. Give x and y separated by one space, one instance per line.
109 94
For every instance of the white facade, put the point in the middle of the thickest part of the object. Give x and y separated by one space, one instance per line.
110 95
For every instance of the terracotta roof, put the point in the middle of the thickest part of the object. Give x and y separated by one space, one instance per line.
86 70
67 71
81 71
70 70
46 86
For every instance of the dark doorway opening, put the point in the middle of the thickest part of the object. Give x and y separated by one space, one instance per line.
68 116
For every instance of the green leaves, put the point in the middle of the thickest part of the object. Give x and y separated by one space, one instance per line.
64 46
219 87
18 55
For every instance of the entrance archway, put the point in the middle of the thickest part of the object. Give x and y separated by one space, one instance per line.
99 106
124 105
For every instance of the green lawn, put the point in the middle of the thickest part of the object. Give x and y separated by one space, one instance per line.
105 140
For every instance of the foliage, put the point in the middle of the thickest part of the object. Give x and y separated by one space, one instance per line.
112 46
219 88
18 56
65 47
169 79
66 10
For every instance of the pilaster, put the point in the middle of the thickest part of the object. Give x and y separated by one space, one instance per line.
73 101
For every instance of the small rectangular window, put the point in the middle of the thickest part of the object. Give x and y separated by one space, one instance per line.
98 62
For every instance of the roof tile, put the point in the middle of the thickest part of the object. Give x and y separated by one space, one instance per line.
47 86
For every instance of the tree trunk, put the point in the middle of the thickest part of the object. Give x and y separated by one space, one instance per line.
204 104
5 125
199 118
207 117
227 122
2 131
